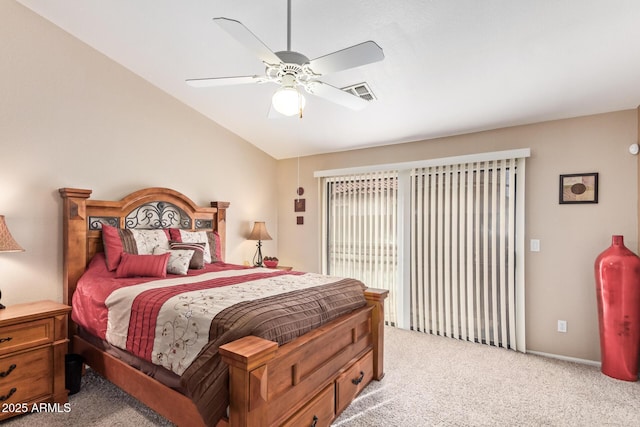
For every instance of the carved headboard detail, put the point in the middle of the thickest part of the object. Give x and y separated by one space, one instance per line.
153 215
148 208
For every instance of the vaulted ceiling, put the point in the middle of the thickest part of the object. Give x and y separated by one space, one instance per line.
450 67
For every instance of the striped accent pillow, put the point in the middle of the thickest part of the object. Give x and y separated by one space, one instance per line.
138 242
211 239
142 265
197 260
186 236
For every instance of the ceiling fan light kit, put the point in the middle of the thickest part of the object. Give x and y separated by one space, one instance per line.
292 70
288 101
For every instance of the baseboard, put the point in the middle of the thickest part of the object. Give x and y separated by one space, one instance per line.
566 358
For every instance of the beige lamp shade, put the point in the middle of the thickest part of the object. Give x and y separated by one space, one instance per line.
7 242
259 232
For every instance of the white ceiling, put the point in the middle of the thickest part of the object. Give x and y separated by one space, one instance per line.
450 67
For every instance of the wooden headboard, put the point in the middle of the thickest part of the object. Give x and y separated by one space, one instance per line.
148 208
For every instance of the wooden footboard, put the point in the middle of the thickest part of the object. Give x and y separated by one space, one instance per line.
312 379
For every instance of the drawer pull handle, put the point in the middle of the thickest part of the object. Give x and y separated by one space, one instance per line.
358 380
5 339
3 398
315 421
8 371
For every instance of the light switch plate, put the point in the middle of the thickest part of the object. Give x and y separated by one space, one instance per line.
535 245
562 326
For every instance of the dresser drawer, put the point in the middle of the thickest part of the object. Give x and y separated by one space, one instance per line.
353 380
26 376
317 413
33 343
25 335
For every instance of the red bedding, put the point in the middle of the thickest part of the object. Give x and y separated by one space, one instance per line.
181 321
97 283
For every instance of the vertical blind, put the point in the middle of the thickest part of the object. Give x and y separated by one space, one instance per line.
463 281
361 232
443 236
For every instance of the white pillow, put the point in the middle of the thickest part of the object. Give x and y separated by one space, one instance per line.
148 240
197 237
179 259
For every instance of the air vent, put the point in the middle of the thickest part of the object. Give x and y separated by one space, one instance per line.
361 90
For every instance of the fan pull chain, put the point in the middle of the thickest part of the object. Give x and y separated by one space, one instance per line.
300 105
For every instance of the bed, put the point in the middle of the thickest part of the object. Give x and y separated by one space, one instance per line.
252 370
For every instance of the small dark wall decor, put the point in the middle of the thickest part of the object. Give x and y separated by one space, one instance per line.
300 220
299 205
579 188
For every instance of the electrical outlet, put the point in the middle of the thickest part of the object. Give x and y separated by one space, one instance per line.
562 326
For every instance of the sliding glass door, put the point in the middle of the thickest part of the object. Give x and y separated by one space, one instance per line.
444 237
361 227
463 251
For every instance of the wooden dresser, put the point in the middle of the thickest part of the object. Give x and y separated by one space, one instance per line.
33 344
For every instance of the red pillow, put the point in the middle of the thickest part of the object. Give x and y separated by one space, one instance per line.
112 246
116 241
142 265
217 255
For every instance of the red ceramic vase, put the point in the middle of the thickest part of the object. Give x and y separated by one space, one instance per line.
617 272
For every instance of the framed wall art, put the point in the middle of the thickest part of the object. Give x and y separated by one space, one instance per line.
579 188
299 205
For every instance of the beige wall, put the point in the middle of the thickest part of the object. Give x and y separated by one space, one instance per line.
559 279
70 117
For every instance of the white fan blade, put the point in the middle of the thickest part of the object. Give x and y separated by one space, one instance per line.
336 95
245 37
351 57
224 81
273 114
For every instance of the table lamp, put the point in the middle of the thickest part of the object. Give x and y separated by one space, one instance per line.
259 233
7 243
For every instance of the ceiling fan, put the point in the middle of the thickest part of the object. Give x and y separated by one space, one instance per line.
292 70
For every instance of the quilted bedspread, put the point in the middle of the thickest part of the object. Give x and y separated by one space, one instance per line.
181 321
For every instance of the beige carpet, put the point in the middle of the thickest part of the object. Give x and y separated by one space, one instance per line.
430 381
435 381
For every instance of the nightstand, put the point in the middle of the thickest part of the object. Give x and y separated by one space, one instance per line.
33 343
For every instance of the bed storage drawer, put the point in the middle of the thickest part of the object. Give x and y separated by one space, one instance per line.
317 413
353 380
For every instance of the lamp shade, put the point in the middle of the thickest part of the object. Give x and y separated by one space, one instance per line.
7 243
259 232
288 101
